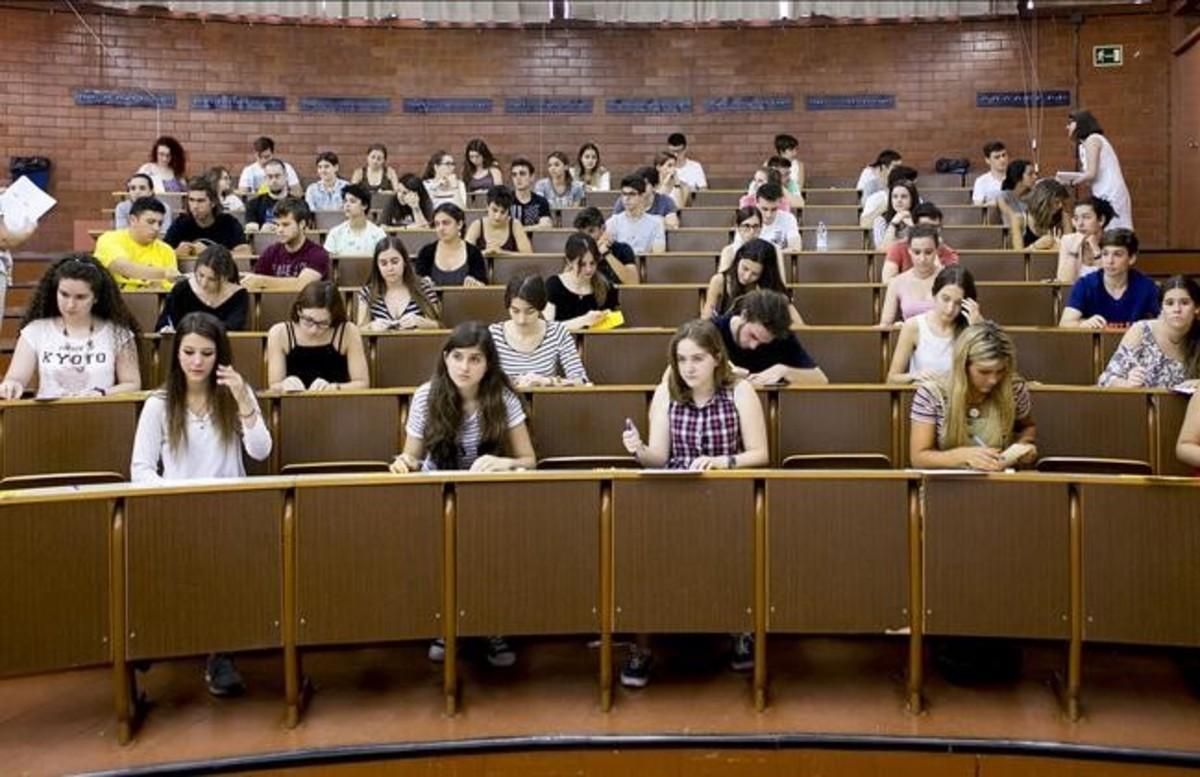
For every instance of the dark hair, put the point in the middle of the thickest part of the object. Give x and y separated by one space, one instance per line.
218 259
677 139
444 408
201 183
522 162
886 157
1101 207
583 174
956 275
1191 349
769 191
785 143
1120 238
777 162
992 146
332 158
635 182
1085 125
263 143
324 295
923 230
149 180
901 173
566 163
928 210
431 166
911 187
588 218
661 158
502 197
108 304
178 155
1045 203
296 208
358 192
425 202
376 286
578 245
741 214
454 212
222 405
760 252
213 175
648 174
766 307
529 287
378 147
143 204
1014 173
477 145
705 334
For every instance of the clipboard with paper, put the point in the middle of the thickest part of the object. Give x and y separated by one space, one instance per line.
23 204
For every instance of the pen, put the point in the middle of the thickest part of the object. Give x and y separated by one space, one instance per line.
979 441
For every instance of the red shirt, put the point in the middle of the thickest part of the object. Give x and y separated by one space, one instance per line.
898 254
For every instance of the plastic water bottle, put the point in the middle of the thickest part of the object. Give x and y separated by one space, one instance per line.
822 236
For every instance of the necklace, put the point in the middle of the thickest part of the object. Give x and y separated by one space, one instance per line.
91 333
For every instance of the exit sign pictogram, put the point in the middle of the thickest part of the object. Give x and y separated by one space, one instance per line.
1112 55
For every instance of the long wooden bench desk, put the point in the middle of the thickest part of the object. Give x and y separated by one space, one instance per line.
113 575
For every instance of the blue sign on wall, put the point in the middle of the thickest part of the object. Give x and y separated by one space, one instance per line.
749 103
447 105
345 105
124 98
554 105
1055 98
648 105
237 102
849 102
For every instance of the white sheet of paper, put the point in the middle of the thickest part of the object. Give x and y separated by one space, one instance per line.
24 203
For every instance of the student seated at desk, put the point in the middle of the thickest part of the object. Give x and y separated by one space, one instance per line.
755 266
593 175
135 256
619 263
898 259
1187 447
498 232
357 235
1163 352
394 296
911 292
1079 252
702 417
468 417
580 295
1118 296
967 417
318 349
1042 225
893 224
205 223
77 336
534 351
450 260
294 261
196 426
211 288
760 343
926 342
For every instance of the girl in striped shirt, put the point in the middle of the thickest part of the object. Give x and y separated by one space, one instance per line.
394 296
534 351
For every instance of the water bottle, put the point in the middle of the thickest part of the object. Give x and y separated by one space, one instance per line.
822 236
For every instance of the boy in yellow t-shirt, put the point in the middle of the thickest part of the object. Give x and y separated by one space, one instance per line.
135 256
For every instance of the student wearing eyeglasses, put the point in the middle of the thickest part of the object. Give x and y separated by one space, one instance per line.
318 349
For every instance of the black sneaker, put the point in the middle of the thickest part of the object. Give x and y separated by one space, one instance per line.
636 672
499 654
742 659
222 676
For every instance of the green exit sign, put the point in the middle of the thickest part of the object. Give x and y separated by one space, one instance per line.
1108 56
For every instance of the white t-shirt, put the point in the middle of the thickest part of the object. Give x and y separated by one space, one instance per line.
469 434
70 367
691 172
987 189
641 234
253 176
782 231
203 455
344 241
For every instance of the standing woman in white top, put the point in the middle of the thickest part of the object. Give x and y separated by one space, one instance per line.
196 426
77 336
1101 170
593 175
441 181
534 351
926 343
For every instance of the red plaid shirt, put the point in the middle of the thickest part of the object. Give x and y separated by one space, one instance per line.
712 430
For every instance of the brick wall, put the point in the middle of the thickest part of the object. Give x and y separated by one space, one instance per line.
933 69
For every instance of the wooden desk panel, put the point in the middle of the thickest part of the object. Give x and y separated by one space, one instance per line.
1056 356
660 306
50 437
699 239
460 304
204 572
837 556
1018 304
505 267
996 558
368 563
1104 424
352 270
1171 410
352 427
1141 582
841 267
144 305
1001 266
585 423
407 359
533 570
812 421
626 357
695 269
54 585
830 305
847 356
683 555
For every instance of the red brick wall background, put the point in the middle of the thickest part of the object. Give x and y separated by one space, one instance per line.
933 69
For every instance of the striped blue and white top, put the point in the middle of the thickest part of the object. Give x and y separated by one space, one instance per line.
554 357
